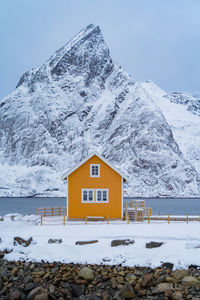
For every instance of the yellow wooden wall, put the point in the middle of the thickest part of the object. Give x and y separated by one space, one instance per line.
80 179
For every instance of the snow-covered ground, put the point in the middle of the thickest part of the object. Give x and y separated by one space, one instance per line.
180 240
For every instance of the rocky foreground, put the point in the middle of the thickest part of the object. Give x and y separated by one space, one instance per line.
42 281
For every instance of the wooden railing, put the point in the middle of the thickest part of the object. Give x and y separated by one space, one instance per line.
51 211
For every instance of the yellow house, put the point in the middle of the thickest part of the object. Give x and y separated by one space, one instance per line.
94 189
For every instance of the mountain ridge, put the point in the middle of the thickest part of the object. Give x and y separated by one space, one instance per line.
80 101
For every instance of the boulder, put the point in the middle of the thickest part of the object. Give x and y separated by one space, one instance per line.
178 274
124 242
127 291
177 295
131 278
153 244
162 287
86 242
167 265
36 292
146 279
86 273
20 241
189 281
55 241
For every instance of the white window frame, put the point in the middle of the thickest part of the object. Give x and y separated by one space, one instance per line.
102 196
94 165
93 191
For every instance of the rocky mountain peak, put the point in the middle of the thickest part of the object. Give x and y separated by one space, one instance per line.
79 101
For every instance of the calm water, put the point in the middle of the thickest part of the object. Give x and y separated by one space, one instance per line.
162 206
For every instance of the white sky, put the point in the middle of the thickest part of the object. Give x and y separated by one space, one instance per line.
156 40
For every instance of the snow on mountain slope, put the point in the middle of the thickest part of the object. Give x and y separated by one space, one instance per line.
182 113
80 101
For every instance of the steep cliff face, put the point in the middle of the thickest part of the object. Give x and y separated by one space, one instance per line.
80 101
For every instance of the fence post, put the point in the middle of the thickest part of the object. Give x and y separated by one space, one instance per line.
45 212
126 210
64 220
52 211
59 210
168 219
148 219
41 221
128 219
86 221
187 219
107 220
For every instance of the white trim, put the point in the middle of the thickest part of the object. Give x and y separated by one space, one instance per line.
85 189
102 196
94 165
67 199
122 199
68 172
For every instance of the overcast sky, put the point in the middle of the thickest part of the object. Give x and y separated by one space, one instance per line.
152 39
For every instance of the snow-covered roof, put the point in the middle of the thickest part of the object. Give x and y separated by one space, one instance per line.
68 172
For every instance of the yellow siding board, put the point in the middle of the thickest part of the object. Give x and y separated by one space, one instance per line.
80 179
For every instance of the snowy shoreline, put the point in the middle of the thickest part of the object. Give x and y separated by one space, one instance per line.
180 240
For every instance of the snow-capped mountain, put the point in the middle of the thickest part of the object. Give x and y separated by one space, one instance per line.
80 101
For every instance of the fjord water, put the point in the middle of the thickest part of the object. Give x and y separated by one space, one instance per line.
173 206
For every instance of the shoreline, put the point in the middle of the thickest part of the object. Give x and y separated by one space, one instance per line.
57 280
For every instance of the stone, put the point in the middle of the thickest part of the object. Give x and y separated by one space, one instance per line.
127 291
114 282
131 278
67 276
15 295
86 242
20 241
189 281
146 279
153 245
38 291
170 279
28 279
124 242
29 286
43 296
54 241
86 273
177 295
1 254
167 265
1 219
178 274
78 290
162 287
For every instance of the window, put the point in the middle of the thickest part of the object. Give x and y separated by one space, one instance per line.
94 170
87 195
94 195
102 195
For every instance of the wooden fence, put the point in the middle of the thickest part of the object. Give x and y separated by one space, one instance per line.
51 211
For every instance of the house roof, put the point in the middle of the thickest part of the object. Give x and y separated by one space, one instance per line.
67 173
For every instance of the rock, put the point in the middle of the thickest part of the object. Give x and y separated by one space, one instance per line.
170 279
29 286
78 290
67 276
15 295
178 274
55 241
124 242
22 242
28 279
43 296
114 282
38 291
177 295
168 265
153 245
1 219
189 281
146 279
131 278
1 254
86 242
162 287
127 291
86 273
